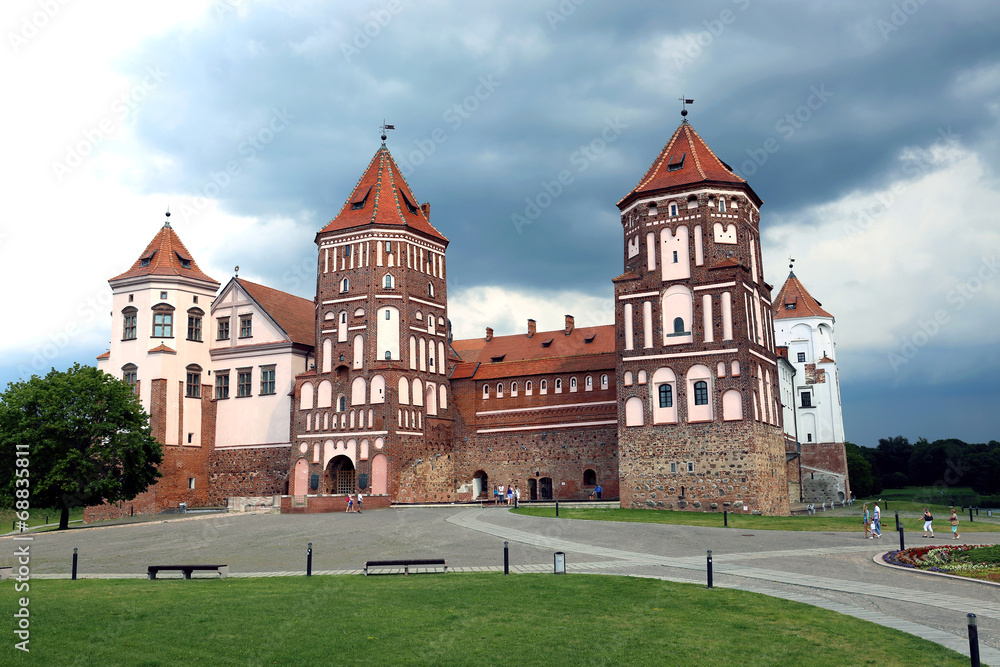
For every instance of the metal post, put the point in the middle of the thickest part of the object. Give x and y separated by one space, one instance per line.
557 509
506 558
76 557
309 560
901 545
709 568
725 518
973 640
897 519
970 514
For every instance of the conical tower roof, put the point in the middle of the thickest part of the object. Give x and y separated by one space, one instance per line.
685 160
794 300
382 197
166 256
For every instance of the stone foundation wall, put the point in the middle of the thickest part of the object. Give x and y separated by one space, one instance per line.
236 472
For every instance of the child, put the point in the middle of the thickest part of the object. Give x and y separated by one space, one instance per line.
350 504
927 523
866 520
953 520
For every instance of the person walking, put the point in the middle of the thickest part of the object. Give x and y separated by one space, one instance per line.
517 495
360 497
510 495
598 491
877 517
927 522
953 520
350 504
866 521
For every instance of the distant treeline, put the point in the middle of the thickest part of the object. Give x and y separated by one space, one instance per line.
896 463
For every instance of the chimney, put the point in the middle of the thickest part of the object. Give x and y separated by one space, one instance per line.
489 334
569 324
531 328
425 208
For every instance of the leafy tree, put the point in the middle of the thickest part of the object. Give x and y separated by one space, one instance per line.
984 464
864 477
84 437
892 455
938 462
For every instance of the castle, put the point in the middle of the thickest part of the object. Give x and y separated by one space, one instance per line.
684 402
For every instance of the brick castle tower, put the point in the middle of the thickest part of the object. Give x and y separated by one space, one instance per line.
376 406
699 420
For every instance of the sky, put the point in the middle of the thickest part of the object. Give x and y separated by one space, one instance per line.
869 128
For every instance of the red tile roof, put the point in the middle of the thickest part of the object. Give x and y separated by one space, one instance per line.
382 197
106 355
576 364
794 293
519 347
297 316
166 256
685 160
163 348
464 370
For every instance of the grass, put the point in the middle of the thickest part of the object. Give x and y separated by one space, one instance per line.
455 619
36 517
831 522
916 498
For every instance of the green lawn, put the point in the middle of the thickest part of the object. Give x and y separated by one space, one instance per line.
832 522
453 619
36 517
916 498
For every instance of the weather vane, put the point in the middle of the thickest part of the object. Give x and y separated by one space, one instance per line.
167 221
791 261
684 102
385 127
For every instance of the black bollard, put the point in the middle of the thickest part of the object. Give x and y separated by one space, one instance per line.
76 557
557 509
725 518
973 641
46 519
897 519
709 563
506 558
970 514
901 545
309 560
131 511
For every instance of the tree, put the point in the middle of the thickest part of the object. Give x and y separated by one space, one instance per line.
892 455
83 437
864 478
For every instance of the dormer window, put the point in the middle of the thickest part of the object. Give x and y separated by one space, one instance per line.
589 339
145 261
676 163
409 207
360 203
498 359
185 261
547 343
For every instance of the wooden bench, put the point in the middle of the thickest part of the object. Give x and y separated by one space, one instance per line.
223 570
406 563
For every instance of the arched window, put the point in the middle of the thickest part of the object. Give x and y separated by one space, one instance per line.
388 355
589 477
558 385
345 285
387 282
701 393
673 210
341 403
486 391
527 388
604 381
666 396
588 383
572 384
543 386
130 316
499 390
163 321
513 389
130 374
430 289
722 205
678 325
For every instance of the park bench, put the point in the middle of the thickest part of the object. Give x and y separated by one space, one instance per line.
406 563
223 570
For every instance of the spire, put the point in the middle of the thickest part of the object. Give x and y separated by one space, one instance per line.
166 256
382 197
685 160
795 301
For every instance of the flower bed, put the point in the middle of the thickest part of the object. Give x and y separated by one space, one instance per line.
967 560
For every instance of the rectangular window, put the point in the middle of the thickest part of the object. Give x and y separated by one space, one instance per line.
243 379
193 385
675 256
222 385
666 396
801 357
223 328
246 326
690 466
129 377
807 399
128 326
194 327
163 325
190 482
267 380
701 393
673 467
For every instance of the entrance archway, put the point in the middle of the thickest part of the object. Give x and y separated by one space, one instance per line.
546 487
533 488
480 484
301 478
340 475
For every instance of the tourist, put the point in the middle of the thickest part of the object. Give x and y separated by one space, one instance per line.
877 520
517 495
953 520
866 521
598 491
927 522
510 495
360 497
500 494
350 504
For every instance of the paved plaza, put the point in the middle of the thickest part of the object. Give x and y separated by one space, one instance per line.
832 570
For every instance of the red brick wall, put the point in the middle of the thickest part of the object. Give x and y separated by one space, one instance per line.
323 504
247 472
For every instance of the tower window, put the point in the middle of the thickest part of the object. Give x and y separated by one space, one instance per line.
388 314
193 384
807 399
130 374
666 396
345 285
347 250
387 283
129 318
801 357
430 289
690 466
388 355
675 256
701 393
194 324
388 246
163 322
678 325
673 210
722 205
